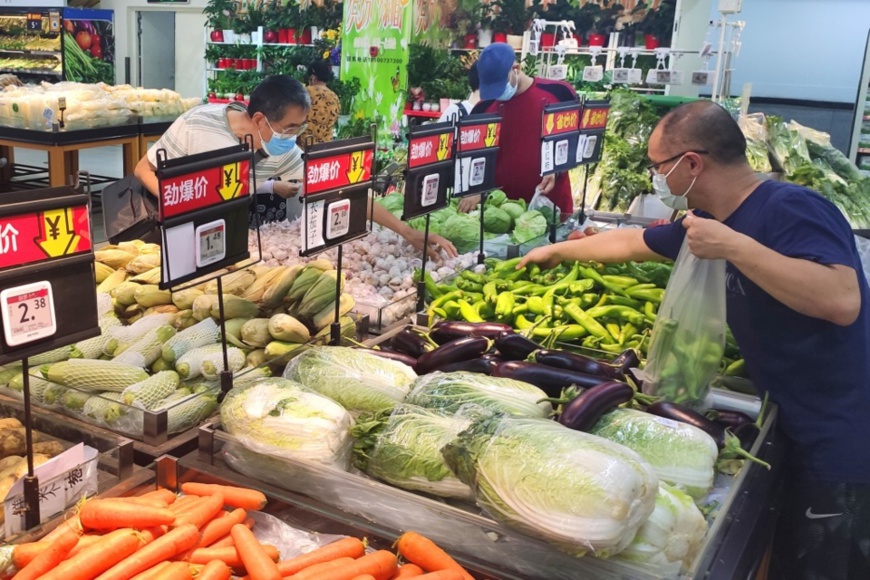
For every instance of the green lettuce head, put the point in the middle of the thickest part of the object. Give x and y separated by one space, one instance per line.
496 221
529 226
463 230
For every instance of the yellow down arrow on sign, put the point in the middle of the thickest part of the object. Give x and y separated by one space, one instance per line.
356 170
550 123
230 184
443 147
490 135
58 232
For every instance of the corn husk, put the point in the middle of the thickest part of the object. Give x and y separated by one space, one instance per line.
264 281
114 258
285 328
234 307
233 327
143 263
125 293
255 332
234 283
276 293
162 309
256 358
102 271
148 296
132 246
184 298
151 276
327 315
203 305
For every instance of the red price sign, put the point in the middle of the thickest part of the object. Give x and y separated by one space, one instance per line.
337 171
193 191
28 313
34 237
561 122
481 136
427 150
595 118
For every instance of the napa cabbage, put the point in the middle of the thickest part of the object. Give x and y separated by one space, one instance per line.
449 392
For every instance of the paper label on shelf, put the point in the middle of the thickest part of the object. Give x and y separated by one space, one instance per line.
430 189
63 480
338 222
581 145
28 313
180 264
547 156
593 74
589 146
701 77
312 225
562 152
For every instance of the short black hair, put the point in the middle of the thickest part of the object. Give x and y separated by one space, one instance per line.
704 125
473 77
322 70
275 94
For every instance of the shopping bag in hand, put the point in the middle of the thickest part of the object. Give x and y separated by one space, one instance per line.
688 338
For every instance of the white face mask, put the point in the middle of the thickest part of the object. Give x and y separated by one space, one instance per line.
663 190
510 90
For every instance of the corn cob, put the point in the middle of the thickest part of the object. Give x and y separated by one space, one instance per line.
102 271
323 318
95 375
149 347
286 328
129 334
276 293
185 320
184 298
8 372
52 356
235 283
319 295
38 385
256 358
152 390
149 248
203 305
189 366
53 393
160 365
264 281
162 309
278 348
143 263
94 347
214 363
125 293
250 375
133 246
233 329
107 407
189 413
113 258
255 332
148 295
306 278
348 330
74 400
200 334
235 307
151 276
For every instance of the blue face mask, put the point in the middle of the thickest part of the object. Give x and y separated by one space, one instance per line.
277 145
509 91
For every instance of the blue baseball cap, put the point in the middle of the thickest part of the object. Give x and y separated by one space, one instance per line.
493 68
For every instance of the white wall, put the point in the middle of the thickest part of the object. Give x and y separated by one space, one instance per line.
802 49
189 41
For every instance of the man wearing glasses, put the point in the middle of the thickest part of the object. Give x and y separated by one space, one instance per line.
275 116
798 304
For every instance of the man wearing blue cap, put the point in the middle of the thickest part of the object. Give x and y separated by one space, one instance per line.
506 89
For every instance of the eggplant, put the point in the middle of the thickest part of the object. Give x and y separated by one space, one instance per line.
458 350
677 412
729 419
446 331
584 410
481 365
391 355
561 359
549 379
494 357
626 361
515 346
411 343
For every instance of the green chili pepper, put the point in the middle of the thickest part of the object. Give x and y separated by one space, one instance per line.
572 275
504 304
593 275
736 369
637 272
431 286
468 285
622 301
444 298
611 348
648 294
468 312
627 331
587 322
520 309
589 299
516 286
522 323
549 301
452 309
514 275
484 309
637 287
535 304
625 313
534 271
490 292
581 286
591 342
621 281
507 265
649 312
565 332
614 330
474 277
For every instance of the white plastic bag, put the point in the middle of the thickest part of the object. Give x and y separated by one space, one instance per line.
688 337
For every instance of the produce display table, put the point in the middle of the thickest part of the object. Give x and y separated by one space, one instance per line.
150 130
63 147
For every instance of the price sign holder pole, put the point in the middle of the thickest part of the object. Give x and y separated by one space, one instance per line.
49 296
336 196
477 150
590 145
431 160
205 203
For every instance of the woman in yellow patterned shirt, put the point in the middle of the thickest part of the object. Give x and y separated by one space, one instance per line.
325 106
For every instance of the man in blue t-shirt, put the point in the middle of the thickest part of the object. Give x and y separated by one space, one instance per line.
799 307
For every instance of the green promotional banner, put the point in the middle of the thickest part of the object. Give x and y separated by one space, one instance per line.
430 24
374 48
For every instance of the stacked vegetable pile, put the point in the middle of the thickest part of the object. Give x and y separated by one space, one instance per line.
503 219
161 350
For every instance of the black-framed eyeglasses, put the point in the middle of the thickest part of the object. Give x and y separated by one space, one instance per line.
652 168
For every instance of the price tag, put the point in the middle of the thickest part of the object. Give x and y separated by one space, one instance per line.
593 74
635 76
557 72
589 148
562 152
28 313
430 190
34 22
338 222
547 156
620 75
701 77
211 243
581 146
478 171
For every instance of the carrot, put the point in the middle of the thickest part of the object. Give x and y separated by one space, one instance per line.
239 497
109 514
422 551
98 557
315 570
73 523
163 548
84 541
364 577
166 495
215 570
223 542
201 513
49 558
151 573
183 502
155 501
22 554
447 574
229 555
350 547
220 527
175 571
257 562
381 564
408 571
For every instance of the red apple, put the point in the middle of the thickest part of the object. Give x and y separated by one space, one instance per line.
270 36
217 36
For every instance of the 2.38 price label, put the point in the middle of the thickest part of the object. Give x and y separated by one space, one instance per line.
28 313
211 243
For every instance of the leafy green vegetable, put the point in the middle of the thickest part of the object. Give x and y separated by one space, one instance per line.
463 230
393 202
530 225
496 198
514 209
577 491
403 448
448 392
359 381
496 221
681 454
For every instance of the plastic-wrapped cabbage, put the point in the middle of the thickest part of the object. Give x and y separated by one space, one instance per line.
529 225
359 381
577 491
448 392
282 418
673 533
403 448
681 454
